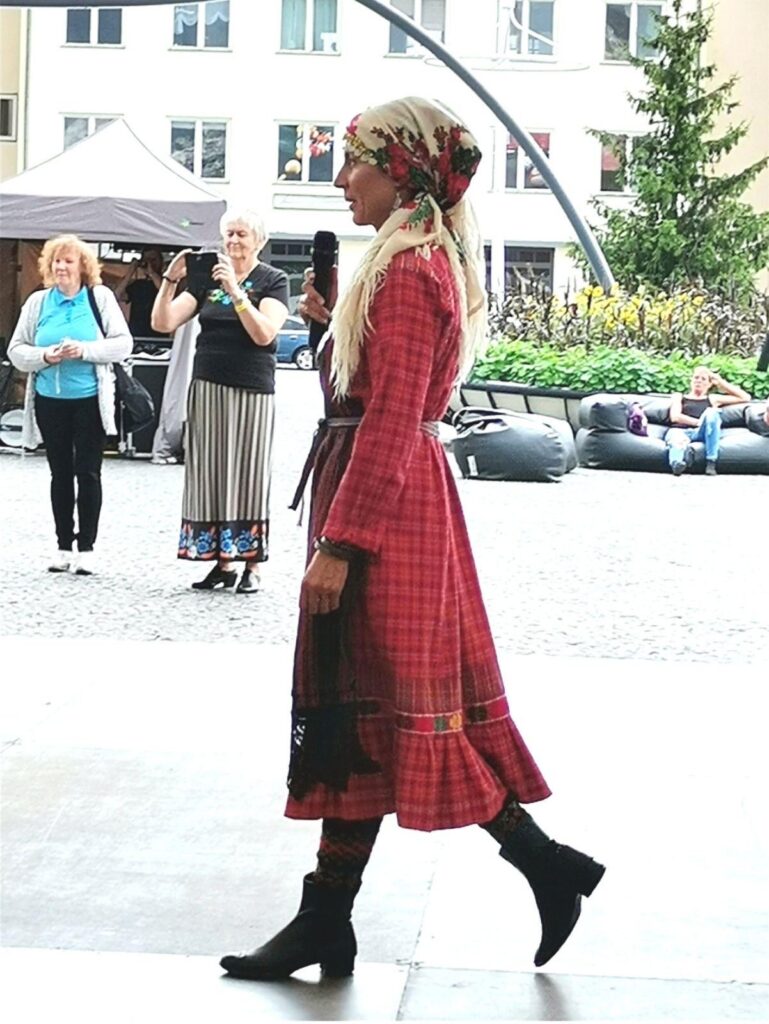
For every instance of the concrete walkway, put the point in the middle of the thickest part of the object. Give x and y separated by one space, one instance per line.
143 786
144 733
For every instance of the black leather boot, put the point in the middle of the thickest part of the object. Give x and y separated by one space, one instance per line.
321 933
559 877
217 577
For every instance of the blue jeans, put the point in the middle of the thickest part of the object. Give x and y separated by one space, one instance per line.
708 430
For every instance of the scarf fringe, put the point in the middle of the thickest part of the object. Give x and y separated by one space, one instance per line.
462 244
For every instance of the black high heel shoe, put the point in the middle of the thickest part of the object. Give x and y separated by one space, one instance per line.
249 582
218 577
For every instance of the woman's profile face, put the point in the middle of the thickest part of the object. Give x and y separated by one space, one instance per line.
240 243
368 190
65 267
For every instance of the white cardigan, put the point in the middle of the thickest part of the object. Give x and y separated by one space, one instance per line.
113 348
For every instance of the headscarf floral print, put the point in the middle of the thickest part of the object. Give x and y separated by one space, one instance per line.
423 148
440 164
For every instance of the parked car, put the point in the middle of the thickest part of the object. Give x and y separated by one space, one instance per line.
293 344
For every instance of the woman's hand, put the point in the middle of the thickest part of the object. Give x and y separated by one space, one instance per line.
70 349
313 305
225 276
52 355
323 584
177 268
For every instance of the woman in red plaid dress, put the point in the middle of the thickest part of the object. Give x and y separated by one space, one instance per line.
399 705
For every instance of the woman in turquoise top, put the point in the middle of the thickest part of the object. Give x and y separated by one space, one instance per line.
70 388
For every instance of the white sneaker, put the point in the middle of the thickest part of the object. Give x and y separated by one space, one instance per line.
61 562
85 564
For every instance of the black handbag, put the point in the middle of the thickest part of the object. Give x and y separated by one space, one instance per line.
134 407
133 402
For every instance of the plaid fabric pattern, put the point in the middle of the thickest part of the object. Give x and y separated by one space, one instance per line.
420 646
344 851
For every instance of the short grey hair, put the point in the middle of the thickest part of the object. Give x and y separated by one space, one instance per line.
241 215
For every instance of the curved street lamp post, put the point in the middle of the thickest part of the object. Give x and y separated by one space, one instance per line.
582 229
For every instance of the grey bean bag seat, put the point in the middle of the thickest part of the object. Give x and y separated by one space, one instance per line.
492 444
604 441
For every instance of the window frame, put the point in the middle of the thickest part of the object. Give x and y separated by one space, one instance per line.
628 188
417 50
12 99
200 23
520 186
198 124
309 32
503 32
91 125
93 27
633 40
328 123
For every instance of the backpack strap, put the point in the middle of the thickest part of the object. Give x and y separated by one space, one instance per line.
96 311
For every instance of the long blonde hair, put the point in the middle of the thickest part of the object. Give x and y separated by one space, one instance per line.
422 147
90 271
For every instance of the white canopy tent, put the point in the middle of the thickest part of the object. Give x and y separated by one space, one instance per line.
110 187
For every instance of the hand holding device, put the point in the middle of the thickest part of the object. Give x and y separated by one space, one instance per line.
200 266
177 268
323 261
69 349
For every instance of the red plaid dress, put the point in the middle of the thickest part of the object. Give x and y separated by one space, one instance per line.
433 710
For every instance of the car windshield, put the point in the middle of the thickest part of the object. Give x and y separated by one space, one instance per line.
294 323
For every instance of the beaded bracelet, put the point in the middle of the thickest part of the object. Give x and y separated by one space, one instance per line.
341 551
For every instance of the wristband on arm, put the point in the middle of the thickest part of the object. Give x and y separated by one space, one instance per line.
342 551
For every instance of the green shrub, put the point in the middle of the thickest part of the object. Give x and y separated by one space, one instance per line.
694 323
606 368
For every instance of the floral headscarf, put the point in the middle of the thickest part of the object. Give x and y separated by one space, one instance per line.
422 146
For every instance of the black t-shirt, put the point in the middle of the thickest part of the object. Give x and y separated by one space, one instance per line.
225 353
141 294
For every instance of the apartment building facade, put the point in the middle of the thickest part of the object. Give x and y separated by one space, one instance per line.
12 95
254 98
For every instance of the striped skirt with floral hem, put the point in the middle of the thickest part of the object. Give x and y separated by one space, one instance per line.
228 465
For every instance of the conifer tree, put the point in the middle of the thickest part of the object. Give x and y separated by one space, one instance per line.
687 224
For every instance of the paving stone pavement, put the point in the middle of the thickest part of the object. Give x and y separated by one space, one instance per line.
602 564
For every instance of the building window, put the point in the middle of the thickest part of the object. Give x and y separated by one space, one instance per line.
520 172
108 24
629 27
523 267
527 27
305 152
429 14
309 25
80 126
8 118
292 256
203 24
201 147
616 151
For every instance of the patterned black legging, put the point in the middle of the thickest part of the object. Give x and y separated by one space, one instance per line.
345 846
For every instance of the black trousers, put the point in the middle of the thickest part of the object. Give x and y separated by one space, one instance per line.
74 437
